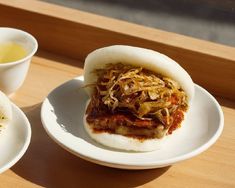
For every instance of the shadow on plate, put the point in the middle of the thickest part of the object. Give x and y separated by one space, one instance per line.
47 164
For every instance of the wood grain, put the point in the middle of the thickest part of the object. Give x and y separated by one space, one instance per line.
68 35
46 164
75 33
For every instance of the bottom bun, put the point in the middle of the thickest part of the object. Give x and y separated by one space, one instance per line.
123 142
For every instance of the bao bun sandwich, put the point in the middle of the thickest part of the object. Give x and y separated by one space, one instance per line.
5 111
137 97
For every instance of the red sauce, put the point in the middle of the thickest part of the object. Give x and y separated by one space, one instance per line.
174 99
178 117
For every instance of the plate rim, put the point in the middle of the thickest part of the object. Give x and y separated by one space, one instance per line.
23 149
145 164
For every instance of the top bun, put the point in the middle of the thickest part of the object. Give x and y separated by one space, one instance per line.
139 57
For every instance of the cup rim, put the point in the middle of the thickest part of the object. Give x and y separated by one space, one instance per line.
26 57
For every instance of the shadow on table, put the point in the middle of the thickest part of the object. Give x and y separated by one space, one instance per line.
226 102
48 165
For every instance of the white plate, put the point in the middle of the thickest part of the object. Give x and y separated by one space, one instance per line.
14 140
62 117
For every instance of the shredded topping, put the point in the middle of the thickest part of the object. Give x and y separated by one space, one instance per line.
140 92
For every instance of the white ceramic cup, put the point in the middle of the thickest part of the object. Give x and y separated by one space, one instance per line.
13 74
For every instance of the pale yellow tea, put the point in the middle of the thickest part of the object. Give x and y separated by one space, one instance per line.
10 52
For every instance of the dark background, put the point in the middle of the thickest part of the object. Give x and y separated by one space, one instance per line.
212 20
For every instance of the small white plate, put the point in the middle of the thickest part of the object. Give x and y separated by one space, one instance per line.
62 117
14 140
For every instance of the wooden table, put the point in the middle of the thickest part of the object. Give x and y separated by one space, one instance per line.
65 37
